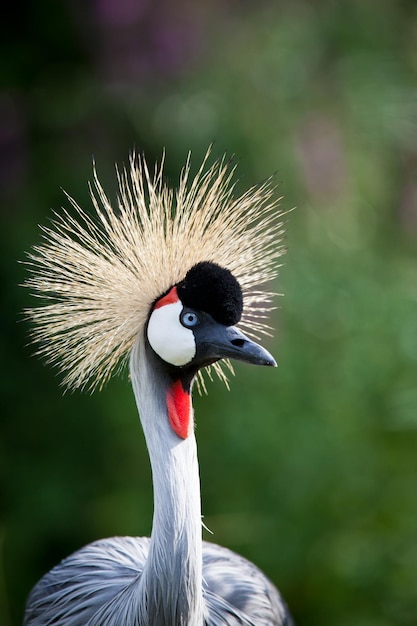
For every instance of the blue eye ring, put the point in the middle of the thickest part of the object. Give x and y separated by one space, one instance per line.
189 318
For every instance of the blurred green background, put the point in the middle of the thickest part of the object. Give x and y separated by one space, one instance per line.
309 470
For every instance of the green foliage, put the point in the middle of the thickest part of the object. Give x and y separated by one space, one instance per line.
309 470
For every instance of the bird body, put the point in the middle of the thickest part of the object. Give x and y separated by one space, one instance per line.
102 587
173 578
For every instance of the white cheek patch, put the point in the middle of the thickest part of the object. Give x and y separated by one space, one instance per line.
173 342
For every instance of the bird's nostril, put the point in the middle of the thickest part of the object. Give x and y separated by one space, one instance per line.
238 342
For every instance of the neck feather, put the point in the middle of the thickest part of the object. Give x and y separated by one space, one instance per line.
171 583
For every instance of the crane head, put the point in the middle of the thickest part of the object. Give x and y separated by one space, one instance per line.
179 268
193 325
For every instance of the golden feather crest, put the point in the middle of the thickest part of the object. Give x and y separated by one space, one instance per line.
98 275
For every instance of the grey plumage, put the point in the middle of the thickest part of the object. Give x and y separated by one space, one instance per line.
98 585
101 299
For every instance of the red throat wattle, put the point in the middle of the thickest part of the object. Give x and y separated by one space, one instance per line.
179 409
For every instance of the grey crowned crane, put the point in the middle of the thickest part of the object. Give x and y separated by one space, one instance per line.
162 281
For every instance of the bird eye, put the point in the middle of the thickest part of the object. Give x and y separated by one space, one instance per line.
189 319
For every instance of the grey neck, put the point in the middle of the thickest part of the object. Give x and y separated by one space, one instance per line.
170 588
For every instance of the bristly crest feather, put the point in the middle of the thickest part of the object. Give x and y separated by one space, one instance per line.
100 275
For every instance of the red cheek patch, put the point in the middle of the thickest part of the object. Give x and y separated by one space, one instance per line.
179 409
170 298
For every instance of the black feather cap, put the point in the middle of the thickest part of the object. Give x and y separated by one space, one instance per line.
213 289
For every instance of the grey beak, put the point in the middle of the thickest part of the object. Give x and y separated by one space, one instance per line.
227 342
